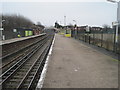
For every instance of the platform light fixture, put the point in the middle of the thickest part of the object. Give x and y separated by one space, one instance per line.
113 1
75 21
118 18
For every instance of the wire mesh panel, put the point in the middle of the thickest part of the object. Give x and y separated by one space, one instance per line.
104 38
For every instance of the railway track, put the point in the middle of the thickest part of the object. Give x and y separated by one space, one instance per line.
25 73
10 59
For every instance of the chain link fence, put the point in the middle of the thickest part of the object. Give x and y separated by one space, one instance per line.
105 38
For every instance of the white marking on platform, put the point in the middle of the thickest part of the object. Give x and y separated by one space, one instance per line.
42 77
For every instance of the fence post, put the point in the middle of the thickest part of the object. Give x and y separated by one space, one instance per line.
75 34
93 38
101 38
115 44
89 38
85 37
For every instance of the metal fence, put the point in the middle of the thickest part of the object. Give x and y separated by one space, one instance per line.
103 38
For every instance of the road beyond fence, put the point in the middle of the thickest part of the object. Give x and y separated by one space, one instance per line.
75 65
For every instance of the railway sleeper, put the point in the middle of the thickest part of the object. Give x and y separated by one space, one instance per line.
15 80
19 74
23 70
17 77
32 72
36 66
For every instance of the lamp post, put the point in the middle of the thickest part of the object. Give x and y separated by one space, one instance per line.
118 18
65 25
64 20
1 23
2 37
75 22
75 28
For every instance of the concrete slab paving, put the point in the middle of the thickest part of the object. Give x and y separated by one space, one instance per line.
75 65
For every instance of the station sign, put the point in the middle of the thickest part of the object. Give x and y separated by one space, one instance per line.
14 30
1 29
114 23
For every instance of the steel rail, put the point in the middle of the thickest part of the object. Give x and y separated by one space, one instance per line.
37 74
27 48
25 58
30 70
40 63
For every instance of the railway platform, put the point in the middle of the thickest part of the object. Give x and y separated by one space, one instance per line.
17 39
73 64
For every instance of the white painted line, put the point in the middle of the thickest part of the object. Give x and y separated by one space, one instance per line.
43 74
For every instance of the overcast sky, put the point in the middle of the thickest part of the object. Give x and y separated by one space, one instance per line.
85 13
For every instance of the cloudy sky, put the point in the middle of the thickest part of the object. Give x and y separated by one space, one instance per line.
95 13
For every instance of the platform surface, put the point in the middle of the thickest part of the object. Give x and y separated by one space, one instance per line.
75 65
17 39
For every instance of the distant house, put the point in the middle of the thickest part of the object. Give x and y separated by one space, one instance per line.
87 29
37 29
82 28
96 28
